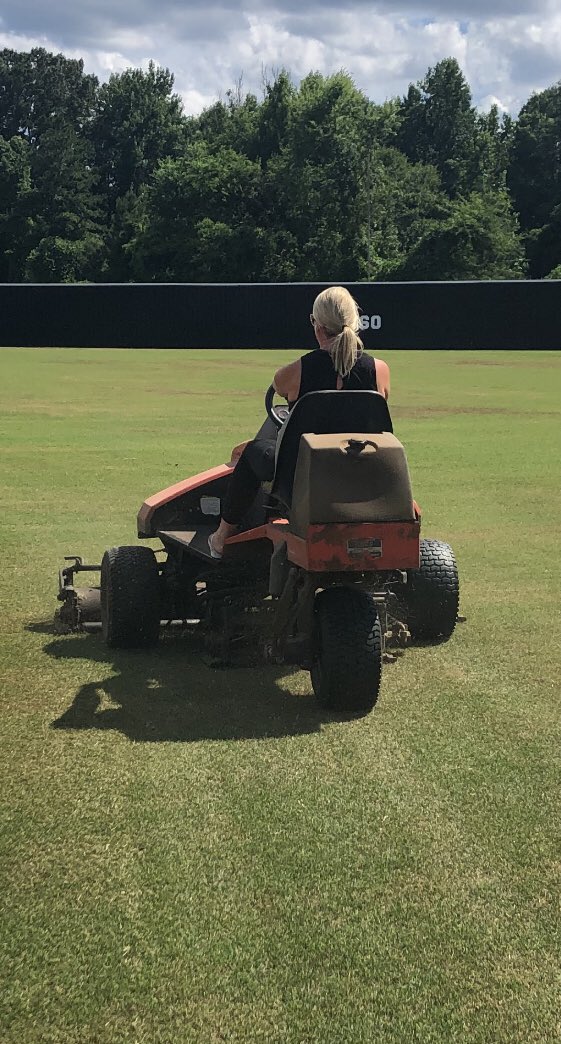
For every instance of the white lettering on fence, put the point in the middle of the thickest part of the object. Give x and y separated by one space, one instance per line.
371 322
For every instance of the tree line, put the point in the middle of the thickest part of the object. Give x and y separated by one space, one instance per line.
113 182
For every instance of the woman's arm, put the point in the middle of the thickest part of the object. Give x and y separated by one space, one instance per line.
237 452
383 378
287 381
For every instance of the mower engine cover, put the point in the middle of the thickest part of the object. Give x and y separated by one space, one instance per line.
350 478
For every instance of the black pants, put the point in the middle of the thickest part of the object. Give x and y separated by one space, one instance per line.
256 465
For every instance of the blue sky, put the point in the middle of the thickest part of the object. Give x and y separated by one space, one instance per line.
506 48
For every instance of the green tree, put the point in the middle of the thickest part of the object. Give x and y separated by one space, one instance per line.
400 202
274 116
47 102
127 219
494 143
479 240
199 219
313 183
67 242
40 92
439 126
138 122
535 172
232 124
543 245
15 220
534 177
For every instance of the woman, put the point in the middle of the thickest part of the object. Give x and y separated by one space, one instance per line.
339 362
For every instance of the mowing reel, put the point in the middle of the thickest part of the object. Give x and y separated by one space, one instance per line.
81 606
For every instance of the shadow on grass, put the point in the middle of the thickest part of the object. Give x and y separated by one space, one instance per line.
170 694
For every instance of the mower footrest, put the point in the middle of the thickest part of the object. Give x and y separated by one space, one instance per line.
195 540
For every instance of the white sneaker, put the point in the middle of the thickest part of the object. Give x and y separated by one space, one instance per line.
213 552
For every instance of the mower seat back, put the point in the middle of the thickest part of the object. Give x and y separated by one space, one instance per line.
324 413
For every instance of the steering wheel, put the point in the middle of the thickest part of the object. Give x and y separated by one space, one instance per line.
277 419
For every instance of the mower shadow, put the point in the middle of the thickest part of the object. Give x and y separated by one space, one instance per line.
170 694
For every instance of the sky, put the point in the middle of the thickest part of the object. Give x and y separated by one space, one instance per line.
506 48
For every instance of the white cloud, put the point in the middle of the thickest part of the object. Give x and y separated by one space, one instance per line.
506 48
130 40
109 62
193 101
489 100
19 42
272 44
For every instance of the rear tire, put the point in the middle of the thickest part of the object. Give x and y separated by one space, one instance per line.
130 597
433 593
347 657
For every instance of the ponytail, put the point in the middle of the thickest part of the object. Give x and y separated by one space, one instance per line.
345 351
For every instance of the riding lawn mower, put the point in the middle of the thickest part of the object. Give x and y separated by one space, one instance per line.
327 571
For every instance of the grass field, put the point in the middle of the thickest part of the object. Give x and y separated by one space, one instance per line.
198 855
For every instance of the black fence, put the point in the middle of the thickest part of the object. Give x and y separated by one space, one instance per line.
478 315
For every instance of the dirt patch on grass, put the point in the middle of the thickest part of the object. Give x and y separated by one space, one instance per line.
522 362
482 411
59 410
237 393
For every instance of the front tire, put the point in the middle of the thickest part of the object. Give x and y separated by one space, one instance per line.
130 597
433 593
347 656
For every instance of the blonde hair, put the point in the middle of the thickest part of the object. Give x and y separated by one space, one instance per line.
337 311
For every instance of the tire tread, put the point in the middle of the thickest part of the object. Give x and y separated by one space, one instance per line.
130 597
434 594
348 665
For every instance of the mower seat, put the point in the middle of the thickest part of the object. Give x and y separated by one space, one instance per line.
324 413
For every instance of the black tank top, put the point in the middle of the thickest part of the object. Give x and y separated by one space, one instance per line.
319 374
